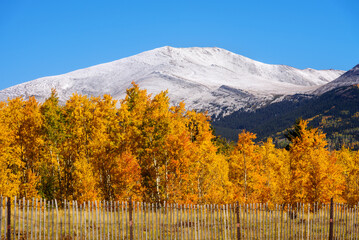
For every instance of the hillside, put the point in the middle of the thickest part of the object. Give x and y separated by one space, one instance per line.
336 112
206 79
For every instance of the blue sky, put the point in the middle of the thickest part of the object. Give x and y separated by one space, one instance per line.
42 38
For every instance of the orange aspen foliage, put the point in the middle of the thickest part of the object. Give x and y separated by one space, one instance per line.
116 169
142 147
126 177
242 167
266 173
9 165
78 179
276 173
313 172
210 170
24 143
173 148
349 162
144 121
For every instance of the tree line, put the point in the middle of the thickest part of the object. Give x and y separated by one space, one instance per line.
99 148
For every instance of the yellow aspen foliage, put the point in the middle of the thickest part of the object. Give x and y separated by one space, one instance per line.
155 130
210 170
27 188
267 173
142 147
116 169
104 144
84 181
349 162
145 123
313 172
53 134
277 172
9 182
178 169
215 186
242 167
9 165
24 142
78 180
173 148
333 180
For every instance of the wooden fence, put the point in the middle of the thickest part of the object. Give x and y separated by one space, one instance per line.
100 220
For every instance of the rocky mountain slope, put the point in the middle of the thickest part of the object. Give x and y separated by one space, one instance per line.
351 77
334 109
211 79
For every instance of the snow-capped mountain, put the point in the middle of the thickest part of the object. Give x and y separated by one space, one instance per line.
351 77
210 79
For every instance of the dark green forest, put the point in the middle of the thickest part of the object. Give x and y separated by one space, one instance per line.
336 113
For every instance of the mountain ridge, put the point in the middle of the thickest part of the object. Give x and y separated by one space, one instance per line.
350 77
212 79
334 108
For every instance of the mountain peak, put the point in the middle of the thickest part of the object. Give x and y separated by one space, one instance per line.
353 72
356 68
205 78
198 50
349 78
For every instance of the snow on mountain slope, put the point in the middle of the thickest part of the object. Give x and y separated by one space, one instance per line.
210 79
351 77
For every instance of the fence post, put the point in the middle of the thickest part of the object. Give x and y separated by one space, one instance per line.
8 233
130 216
331 220
238 224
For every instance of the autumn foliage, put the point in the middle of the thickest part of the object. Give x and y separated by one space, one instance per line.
99 148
